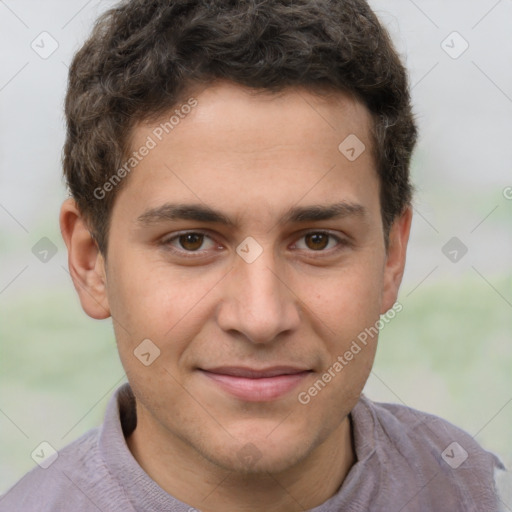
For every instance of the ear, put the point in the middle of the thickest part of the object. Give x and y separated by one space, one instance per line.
395 259
85 261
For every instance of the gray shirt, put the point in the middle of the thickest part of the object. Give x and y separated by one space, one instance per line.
407 461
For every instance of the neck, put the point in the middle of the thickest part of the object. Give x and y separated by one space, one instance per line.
184 473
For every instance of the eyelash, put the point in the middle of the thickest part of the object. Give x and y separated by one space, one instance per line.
341 243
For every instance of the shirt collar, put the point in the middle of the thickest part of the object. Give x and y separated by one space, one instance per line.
145 494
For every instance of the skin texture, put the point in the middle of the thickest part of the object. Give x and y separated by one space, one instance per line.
301 302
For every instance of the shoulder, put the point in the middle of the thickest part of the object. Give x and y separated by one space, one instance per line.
62 485
407 425
427 433
429 451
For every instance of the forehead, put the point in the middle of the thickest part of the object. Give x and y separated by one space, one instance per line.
238 114
241 148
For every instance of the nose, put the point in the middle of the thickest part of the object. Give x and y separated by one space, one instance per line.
258 303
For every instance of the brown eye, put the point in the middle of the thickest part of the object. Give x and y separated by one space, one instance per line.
320 241
191 241
317 241
190 244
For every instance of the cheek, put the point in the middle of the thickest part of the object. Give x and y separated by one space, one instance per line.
156 302
349 300
347 308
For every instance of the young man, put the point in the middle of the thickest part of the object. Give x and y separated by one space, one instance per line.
239 172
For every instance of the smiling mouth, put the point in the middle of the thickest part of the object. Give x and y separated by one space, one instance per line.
256 385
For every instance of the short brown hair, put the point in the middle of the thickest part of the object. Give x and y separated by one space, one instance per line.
142 55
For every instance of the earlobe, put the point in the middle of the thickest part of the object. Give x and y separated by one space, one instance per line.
85 261
395 260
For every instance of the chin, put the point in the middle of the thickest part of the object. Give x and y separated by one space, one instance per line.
259 457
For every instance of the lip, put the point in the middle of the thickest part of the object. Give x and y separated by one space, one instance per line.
256 385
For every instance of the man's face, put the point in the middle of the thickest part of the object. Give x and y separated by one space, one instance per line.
284 303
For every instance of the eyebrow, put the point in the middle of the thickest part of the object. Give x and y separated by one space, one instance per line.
202 213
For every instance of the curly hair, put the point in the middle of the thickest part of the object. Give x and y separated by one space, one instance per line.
142 56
